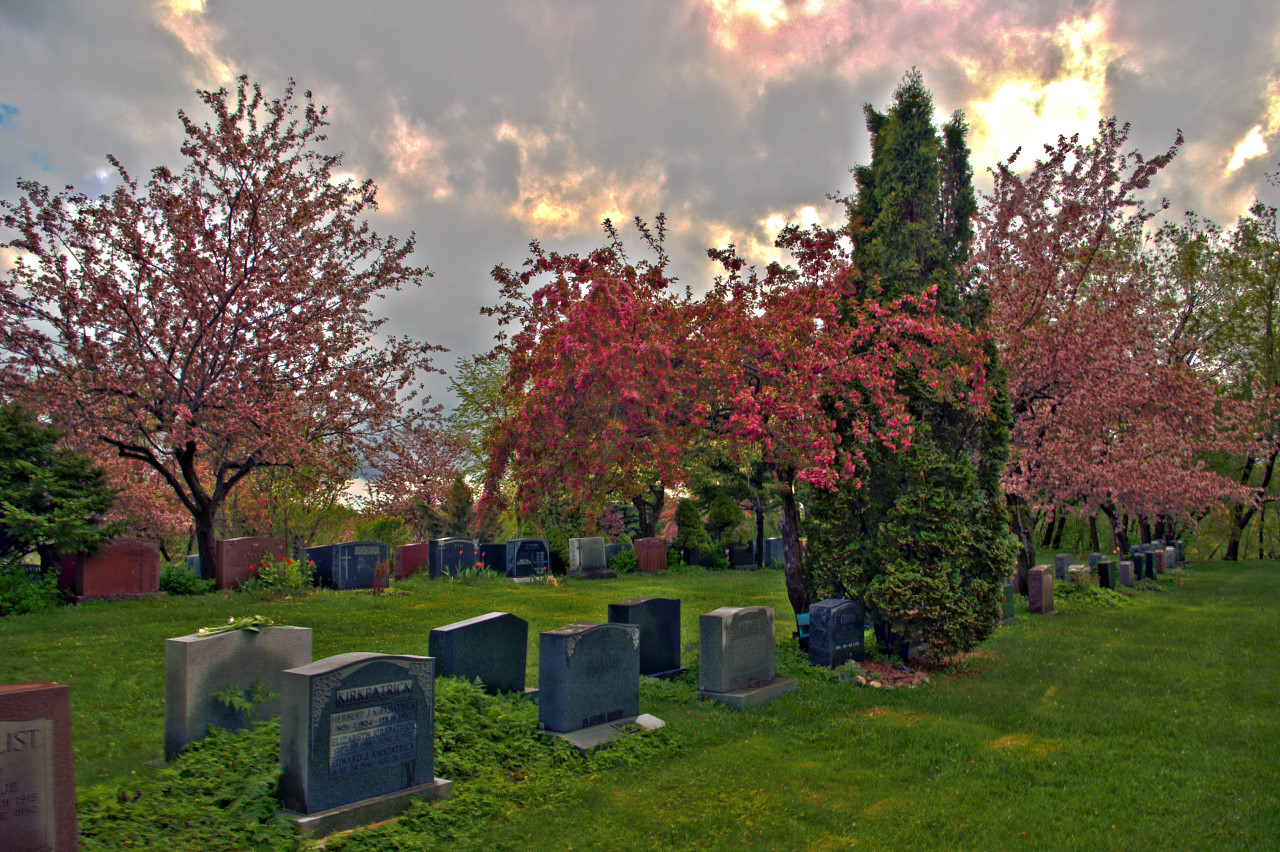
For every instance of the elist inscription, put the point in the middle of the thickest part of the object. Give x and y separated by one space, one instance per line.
372 737
27 817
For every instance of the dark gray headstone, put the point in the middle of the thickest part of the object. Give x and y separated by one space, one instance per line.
1126 573
349 565
736 647
836 629
195 667
493 557
355 726
586 555
1108 576
491 647
1094 558
528 557
588 674
612 550
1170 557
773 551
449 555
1060 563
659 623
742 556
193 564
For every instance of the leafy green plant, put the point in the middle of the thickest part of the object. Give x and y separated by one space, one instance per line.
177 580
247 701
624 562
23 591
285 577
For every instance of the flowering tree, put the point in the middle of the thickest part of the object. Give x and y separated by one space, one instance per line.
613 375
212 322
1108 415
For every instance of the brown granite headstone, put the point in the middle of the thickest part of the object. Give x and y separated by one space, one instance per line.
37 775
651 555
1157 556
237 557
125 568
1040 583
411 558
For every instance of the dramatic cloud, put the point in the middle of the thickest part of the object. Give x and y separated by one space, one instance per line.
492 123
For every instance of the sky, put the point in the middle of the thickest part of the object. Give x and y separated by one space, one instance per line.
487 124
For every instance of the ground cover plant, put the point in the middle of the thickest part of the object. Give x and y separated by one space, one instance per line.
1144 722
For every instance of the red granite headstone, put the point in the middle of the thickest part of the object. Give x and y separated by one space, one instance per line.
1158 557
651 555
1040 589
126 568
237 557
412 558
37 775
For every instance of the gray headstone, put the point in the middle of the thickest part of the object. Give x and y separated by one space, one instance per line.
1060 563
659 623
588 674
742 556
1107 574
349 565
773 551
1006 607
195 667
528 557
1170 558
193 564
836 629
1093 559
586 554
735 647
1126 573
491 647
355 726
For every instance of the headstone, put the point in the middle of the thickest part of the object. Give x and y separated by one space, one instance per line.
125 568
492 647
411 558
1157 559
193 564
1149 566
659 623
651 555
736 657
588 675
37 772
742 556
1040 583
1107 578
528 558
1060 563
1094 558
1080 575
691 556
493 557
836 629
1170 557
449 555
773 551
195 667
1182 550
612 550
586 555
356 740
1126 573
349 565
1139 559
237 557
1006 607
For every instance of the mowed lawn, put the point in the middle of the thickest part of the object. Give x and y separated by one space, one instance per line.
1152 725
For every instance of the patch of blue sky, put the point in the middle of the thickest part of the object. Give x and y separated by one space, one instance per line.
7 112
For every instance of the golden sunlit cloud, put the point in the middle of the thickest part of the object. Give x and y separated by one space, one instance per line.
185 19
416 156
1252 145
1028 113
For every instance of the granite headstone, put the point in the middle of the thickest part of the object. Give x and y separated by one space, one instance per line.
493 557
659 623
349 565
37 772
586 555
237 557
588 674
528 557
1040 586
491 647
411 558
836 629
651 555
125 568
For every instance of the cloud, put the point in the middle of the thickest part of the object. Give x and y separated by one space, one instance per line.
1252 145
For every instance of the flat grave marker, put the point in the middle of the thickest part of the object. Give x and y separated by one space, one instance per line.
37 771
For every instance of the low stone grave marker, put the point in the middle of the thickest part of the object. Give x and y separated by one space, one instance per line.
528 558
1040 583
493 557
125 568
195 667
1126 573
357 740
37 771
237 557
651 555
1080 575
1060 563
589 683
587 560
773 551
736 657
349 565
411 558
1107 578
836 629
492 647
659 623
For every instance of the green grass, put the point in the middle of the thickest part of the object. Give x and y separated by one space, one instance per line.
1149 723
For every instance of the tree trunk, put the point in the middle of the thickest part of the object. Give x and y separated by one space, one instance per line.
1119 530
791 555
1057 532
1022 528
1093 533
648 511
1144 529
205 542
1047 540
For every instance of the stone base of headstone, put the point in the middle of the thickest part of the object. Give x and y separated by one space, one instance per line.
541 579
593 574
366 811
752 695
587 739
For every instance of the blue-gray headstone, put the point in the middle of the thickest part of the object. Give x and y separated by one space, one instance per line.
528 557
1060 563
836 630
588 674
493 557
659 623
492 647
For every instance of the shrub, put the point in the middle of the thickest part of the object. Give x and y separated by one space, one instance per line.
624 562
178 580
23 591
286 576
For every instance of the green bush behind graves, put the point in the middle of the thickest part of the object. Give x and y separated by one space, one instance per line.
1149 725
177 579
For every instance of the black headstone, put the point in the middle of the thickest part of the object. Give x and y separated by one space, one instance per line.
659 623
491 647
528 557
349 565
836 630
493 557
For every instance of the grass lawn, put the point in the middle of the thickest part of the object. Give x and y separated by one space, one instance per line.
1150 725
